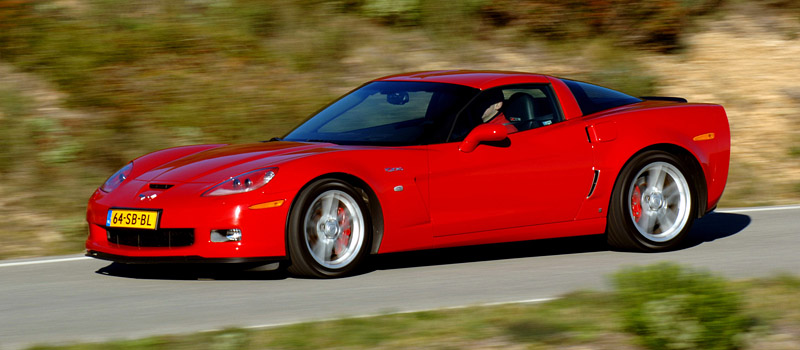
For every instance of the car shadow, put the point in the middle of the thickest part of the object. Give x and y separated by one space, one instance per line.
188 272
501 251
711 227
714 226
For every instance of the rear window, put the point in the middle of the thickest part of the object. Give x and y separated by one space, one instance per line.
593 98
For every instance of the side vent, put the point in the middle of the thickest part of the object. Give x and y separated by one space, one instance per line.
594 182
160 186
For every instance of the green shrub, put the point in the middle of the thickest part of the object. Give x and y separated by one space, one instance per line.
672 307
15 140
393 11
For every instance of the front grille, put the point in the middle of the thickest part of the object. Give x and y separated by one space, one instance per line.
170 237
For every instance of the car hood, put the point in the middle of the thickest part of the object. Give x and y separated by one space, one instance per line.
220 163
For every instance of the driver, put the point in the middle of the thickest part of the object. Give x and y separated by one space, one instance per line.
493 115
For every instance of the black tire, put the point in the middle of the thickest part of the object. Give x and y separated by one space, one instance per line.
667 200
328 242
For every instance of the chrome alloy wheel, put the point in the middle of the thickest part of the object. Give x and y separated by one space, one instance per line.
659 201
334 229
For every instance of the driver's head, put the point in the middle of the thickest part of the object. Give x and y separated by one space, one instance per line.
489 103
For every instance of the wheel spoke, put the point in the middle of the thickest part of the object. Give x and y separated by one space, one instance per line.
666 218
327 205
655 179
334 209
323 249
647 222
670 193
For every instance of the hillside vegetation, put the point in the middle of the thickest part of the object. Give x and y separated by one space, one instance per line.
87 85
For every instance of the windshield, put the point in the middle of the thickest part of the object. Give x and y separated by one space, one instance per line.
388 113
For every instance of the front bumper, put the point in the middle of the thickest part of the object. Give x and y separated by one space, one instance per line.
263 230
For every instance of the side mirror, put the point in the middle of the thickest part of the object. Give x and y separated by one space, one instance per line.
483 133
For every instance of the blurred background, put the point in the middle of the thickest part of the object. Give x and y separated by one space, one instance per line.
87 85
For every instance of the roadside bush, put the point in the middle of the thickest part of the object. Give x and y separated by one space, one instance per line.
393 11
671 307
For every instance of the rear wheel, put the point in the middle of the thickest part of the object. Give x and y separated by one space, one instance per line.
329 230
653 204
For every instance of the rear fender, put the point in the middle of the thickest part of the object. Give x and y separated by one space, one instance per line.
675 129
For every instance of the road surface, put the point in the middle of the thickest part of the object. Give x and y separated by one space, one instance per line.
72 298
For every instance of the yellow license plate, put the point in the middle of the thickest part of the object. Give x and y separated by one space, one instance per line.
144 219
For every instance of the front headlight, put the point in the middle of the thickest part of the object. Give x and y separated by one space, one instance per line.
243 183
115 180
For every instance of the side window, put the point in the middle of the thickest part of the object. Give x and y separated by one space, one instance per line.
593 98
518 107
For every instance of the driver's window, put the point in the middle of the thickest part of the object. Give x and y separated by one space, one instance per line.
517 107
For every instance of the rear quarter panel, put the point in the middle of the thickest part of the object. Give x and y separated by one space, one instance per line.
619 134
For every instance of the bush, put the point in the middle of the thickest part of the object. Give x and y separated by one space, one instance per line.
671 307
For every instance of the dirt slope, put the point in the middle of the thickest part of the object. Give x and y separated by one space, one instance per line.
749 63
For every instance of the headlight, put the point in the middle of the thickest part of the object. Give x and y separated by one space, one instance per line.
115 180
243 183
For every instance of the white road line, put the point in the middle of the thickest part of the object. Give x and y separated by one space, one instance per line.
274 325
45 261
755 209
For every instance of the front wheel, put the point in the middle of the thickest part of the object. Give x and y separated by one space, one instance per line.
329 230
653 204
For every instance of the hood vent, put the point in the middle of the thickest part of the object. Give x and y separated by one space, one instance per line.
160 186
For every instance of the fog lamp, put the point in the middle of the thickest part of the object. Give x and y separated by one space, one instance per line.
230 235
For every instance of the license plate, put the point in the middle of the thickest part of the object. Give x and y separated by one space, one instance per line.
144 219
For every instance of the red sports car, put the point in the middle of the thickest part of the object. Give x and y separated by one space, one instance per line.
425 160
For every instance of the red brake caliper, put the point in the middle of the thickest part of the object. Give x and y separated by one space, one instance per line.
344 223
636 204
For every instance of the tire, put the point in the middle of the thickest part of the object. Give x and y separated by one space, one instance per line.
653 204
329 230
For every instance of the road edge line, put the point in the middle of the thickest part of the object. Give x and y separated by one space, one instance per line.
757 209
45 261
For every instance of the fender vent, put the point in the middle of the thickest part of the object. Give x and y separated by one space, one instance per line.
594 182
160 186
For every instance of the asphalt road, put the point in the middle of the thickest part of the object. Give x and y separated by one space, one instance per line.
72 298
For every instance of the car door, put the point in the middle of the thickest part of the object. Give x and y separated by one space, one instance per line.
540 174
